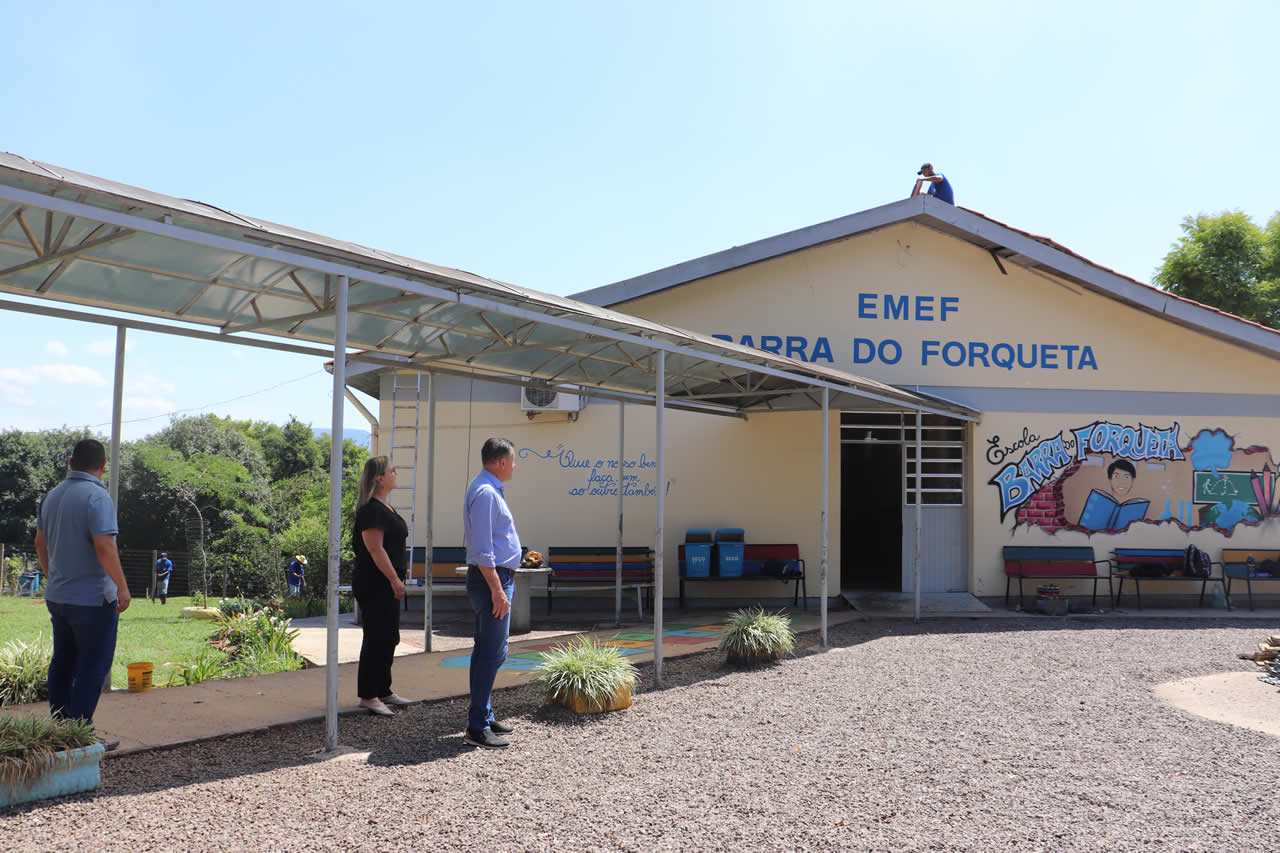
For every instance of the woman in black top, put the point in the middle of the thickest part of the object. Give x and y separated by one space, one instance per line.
378 583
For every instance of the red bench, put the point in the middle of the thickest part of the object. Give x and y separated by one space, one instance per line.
1052 562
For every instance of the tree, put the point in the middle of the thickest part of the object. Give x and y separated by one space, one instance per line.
1228 262
31 463
290 450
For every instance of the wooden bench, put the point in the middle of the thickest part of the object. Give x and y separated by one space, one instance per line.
1125 560
1052 562
596 568
444 576
760 562
1235 564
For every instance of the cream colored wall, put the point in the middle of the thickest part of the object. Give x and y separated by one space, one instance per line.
1154 482
762 475
815 293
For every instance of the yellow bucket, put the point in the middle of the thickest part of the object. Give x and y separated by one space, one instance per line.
139 676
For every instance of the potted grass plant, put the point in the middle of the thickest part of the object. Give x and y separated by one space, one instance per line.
586 677
43 757
755 637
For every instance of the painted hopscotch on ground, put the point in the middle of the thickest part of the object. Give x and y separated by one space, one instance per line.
637 642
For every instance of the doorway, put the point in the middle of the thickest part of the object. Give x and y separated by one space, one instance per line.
871 516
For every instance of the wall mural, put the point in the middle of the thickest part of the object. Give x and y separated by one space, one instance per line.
600 476
1104 477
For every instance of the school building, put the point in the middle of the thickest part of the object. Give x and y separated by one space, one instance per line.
1107 413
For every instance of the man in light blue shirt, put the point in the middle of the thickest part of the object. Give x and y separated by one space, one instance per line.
493 555
76 543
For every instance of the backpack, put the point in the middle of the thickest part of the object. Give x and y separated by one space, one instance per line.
1196 563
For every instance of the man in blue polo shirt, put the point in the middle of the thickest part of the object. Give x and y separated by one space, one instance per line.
86 592
493 555
939 186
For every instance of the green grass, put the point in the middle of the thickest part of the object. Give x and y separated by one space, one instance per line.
148 632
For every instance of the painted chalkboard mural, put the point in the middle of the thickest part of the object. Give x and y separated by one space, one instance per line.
1106 477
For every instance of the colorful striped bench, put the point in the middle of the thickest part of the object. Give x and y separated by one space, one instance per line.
596 568
1172 560
1052 562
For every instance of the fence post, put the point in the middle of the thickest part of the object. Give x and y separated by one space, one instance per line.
151 588
4 568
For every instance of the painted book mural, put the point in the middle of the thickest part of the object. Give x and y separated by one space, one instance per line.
1105 477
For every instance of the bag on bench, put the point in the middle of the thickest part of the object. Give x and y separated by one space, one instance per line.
1150 570
1196 563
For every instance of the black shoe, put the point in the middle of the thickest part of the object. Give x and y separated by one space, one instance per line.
500 728
109 743
485 738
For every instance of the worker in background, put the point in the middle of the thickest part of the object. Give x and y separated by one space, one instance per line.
939 186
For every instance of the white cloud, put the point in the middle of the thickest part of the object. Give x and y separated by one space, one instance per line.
149 382
67 374
149 404
57 348
15 394
106 346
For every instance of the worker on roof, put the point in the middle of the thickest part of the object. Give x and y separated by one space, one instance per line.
939 186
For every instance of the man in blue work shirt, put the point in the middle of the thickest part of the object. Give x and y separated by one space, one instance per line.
86 593
297 569
164 571
493 554
939 186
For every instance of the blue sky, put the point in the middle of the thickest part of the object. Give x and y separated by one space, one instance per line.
563 146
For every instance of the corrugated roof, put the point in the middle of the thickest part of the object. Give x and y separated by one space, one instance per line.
76 238
1002 240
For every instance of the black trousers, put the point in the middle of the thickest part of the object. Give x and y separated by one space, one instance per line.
380 619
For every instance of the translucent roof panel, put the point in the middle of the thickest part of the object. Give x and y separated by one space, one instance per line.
77 238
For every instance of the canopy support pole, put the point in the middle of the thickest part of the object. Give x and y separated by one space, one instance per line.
660 477
919 501
428 606
617 594
117 407
335 516
826 505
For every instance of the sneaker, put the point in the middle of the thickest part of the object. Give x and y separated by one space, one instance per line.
485 738
393 699
375 706
500 728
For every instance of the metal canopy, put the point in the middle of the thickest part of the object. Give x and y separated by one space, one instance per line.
76 238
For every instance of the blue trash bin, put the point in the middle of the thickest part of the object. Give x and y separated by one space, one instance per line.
697 553
730 545
28 583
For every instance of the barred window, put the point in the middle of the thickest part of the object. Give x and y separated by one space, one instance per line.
938 477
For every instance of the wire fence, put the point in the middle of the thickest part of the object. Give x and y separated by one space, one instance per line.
138 567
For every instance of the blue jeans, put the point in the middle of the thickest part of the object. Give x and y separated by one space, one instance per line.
490 646
295 589
84 644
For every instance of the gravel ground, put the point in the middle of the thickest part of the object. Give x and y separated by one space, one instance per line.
963 735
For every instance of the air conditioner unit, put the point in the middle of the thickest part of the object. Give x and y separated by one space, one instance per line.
539 396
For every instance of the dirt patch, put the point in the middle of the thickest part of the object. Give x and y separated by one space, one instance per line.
1238 698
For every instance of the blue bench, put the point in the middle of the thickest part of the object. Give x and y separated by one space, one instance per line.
1052 562
1168 560
1236 565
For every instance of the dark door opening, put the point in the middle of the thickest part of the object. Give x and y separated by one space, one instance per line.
871 516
